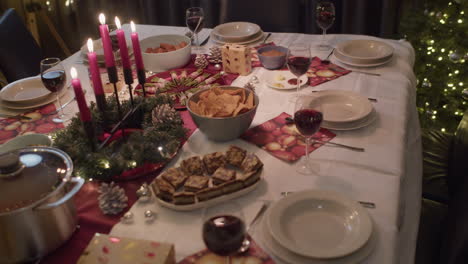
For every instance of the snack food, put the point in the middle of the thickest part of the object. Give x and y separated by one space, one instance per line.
213 161
235 156
193 166
272 53
175 177
166 47
226 173
222 175
196 183
218 102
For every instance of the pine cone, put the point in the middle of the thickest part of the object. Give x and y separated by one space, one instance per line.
215 55
200 61
112 198
163 113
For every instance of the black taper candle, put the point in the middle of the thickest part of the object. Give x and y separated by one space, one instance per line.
142 80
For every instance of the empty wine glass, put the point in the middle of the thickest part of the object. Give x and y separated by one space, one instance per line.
224 229
195 18
298 62
325 17
307 118
54 78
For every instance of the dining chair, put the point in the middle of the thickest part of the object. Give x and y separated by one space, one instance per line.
443 228
270 15
20 55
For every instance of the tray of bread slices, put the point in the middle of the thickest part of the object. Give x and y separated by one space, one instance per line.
201 181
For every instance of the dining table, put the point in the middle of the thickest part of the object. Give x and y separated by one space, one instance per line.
388 173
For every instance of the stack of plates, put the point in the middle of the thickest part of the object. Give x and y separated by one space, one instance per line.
343 110
237 32
28 93
318 227
363 53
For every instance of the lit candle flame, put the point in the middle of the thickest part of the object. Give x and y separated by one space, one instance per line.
90 45
132 25
102 19
117 22
73 73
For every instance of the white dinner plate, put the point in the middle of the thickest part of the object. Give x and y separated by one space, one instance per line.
97 46
362 65
27 90
341 106
65 95
364 51
351 125
319 224
236 31
280 80
254 39
269 243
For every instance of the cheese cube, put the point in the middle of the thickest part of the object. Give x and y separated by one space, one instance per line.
237 59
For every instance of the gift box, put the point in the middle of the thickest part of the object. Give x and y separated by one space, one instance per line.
119 250
236 59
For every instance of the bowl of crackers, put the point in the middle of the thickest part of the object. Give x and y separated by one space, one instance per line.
164 52
223 113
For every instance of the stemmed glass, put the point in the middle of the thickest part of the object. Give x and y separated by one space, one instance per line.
325 16
224 229
53 77
307 118
298 62
194 18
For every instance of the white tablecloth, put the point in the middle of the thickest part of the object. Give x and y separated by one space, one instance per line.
388 173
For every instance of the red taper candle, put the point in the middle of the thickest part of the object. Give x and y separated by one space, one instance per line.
106 42
122 45
136 48
96 77
85 114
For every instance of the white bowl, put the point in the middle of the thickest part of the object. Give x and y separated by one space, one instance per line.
159 62
362 51
27 90
236 31
24 141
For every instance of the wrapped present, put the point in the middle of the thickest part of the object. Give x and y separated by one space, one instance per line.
118 250
237 59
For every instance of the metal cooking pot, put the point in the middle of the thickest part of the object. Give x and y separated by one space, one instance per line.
37 214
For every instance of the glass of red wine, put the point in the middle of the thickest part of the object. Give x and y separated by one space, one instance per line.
224 229
195 18
54 78
325 17
298 62
307 118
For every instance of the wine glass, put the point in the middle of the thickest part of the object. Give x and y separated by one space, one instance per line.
307 118
53 77
224 229
298 62
194 18
325 16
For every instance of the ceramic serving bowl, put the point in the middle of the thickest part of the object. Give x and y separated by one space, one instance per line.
223 128
159 62
273 62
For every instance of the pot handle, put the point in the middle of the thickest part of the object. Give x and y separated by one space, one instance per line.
78 184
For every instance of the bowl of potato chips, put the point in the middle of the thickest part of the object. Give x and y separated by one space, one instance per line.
223 113
164 52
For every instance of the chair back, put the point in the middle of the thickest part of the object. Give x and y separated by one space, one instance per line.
458 166
20 55
270 15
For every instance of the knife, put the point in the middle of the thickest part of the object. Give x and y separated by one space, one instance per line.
205 41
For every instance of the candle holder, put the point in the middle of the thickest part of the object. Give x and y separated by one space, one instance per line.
128 76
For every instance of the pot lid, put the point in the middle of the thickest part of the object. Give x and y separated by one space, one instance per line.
31 175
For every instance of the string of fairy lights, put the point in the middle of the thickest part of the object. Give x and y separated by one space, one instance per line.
441 64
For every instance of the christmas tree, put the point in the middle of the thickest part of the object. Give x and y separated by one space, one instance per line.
439 35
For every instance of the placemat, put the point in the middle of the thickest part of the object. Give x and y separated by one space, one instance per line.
282 139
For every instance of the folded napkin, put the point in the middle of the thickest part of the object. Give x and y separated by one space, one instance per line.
255 254
40 122
282 140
